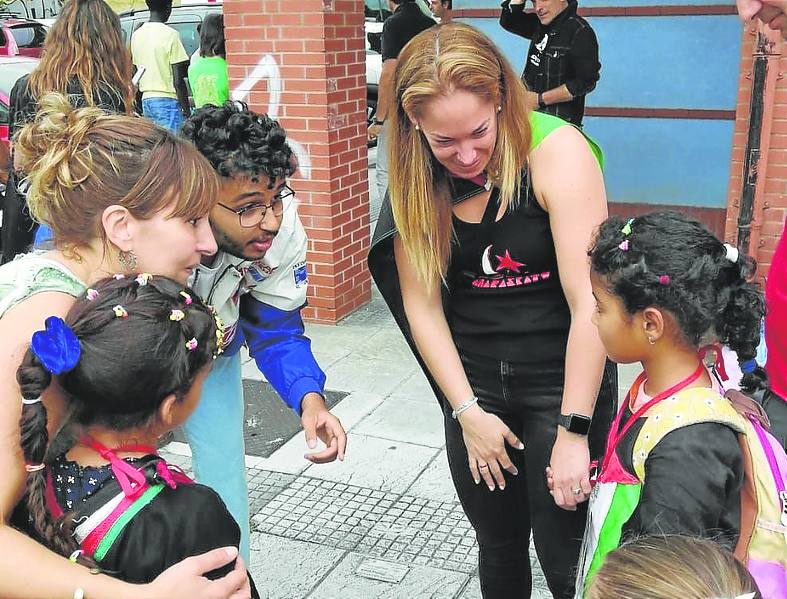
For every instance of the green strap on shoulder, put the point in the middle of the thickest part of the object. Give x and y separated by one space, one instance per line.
541 125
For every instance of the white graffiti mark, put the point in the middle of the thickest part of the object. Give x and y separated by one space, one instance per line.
268 69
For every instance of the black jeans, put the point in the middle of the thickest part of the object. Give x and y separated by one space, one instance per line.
527 398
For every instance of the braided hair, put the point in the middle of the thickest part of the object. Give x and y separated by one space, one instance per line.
134 337
673 262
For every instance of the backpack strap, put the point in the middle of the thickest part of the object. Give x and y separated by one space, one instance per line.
687 407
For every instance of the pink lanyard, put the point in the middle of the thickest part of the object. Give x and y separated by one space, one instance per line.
131 480
616 434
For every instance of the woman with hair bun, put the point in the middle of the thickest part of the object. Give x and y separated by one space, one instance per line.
121 195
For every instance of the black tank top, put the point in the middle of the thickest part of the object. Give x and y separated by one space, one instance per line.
506 300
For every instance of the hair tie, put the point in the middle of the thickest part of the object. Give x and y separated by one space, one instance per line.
119 276
748 366
191 344
30 402
626 230
91 294
143 278
186 298
624 245
177 315
34 467
56 347
664 279
732 253
120 311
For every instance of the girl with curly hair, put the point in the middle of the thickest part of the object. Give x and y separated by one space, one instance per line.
666 288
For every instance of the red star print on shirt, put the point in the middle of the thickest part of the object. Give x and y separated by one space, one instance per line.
506 262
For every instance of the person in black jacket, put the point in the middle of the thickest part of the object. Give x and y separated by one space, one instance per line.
562 64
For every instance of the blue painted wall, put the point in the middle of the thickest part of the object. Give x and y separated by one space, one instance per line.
677 62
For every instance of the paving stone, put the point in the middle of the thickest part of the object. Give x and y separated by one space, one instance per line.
435 482
370 375
405 420
285 569
376 463
417 388
420 581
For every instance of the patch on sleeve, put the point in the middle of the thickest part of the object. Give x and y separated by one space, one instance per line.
259 271
300 275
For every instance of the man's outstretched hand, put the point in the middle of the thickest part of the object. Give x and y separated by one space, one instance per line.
318 422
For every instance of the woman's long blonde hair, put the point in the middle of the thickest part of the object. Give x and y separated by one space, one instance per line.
85 42
78 162
436 62
671 567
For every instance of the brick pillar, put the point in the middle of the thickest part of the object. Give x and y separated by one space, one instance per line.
304 63
770 198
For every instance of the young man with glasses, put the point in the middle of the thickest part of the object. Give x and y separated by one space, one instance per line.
257 282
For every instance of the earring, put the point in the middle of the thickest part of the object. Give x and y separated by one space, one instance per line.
499 108
651 340
128 260
417 127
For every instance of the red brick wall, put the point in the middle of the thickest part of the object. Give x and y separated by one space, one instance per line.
770 202
318 50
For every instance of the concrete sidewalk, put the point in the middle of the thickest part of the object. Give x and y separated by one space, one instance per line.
385 522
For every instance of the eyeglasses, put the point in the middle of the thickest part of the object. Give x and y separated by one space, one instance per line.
251 216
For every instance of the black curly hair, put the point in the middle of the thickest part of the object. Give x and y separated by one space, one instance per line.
241 143
127 367
710 297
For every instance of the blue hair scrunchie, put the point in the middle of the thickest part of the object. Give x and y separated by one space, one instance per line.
748 366
57 347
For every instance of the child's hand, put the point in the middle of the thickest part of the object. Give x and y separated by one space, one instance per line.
569 470
317 421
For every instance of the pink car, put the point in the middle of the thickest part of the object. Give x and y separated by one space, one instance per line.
21 37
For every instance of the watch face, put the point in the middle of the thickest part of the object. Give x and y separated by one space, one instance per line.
574 423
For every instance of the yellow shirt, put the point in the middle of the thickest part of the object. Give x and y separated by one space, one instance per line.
157 47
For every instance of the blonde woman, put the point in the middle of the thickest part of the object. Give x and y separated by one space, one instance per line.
121 196
486 272
670 567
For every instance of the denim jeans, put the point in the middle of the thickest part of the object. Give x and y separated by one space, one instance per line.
165 112
215 434
381 170
527 398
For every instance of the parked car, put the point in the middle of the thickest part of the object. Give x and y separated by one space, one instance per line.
11 69
21 37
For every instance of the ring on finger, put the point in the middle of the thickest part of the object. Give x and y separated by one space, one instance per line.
483 465
576 491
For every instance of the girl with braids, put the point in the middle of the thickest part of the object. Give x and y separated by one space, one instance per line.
84 58
680 456
120 194
131 357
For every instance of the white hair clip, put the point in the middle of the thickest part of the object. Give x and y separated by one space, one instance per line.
751 595
732 255
30 402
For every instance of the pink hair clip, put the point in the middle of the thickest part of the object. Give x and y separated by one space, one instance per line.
91 294
34 467
177 315
664 280
186 298
120 311
191 344
143 278
119 276
624 245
